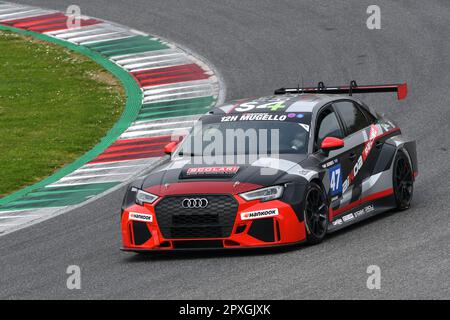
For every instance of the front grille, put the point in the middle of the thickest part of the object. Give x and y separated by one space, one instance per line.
185 219
214 221
196 232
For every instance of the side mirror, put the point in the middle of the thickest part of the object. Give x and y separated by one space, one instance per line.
170 148
331 143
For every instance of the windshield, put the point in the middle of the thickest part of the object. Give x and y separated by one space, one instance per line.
238 134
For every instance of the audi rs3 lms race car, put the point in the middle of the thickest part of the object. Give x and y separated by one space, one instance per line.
273 171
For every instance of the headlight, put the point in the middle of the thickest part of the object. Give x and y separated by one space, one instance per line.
145 197
264 194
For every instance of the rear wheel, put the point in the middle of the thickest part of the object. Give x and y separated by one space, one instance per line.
315 214
403 181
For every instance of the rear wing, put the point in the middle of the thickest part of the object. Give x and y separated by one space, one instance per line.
401 89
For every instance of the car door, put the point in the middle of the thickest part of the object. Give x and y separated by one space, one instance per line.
358 133
336 163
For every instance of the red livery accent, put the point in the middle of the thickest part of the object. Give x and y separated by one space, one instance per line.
387 133
200 187
402 91
286 220
369 144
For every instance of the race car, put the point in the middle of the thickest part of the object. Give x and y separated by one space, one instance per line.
273 171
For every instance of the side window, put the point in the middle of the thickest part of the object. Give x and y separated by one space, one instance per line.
353 118
369 116
327 126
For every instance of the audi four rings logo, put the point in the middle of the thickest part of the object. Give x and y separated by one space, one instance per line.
194 203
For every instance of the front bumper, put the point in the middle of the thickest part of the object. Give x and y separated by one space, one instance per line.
142 232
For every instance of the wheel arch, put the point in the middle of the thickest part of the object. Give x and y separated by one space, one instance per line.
409 148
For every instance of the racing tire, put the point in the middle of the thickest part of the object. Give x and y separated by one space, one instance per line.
403 181
315 211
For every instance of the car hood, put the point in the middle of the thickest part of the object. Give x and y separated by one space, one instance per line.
190 175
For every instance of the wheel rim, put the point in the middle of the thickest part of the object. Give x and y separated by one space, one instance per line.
316 213
403 182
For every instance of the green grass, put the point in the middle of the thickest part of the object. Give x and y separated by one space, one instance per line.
54 106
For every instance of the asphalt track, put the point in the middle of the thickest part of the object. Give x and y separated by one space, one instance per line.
258 46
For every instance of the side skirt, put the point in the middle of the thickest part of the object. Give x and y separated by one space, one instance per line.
362 212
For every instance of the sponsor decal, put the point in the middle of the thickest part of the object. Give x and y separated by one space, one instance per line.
229 118
140 217
255 117
296 115
354 215
259 214
348 217
364 211
369 144
330 163
362 158
224 170
353 174
275 105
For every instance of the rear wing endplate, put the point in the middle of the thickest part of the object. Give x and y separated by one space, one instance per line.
401 89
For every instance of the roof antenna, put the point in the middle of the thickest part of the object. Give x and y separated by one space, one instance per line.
300 75
303 85
352 86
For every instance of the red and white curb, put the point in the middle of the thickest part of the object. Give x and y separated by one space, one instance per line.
177 88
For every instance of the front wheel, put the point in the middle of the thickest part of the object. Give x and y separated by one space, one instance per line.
403 181
315 214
